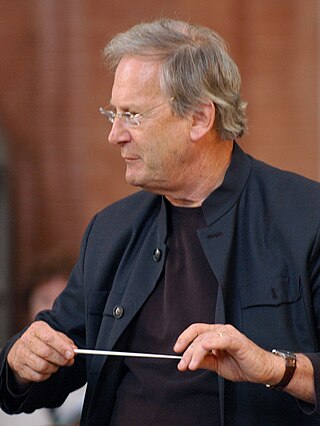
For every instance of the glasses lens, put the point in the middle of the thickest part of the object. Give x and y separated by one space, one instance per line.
130 120
110 115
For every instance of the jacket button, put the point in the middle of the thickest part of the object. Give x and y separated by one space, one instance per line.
118 311
157 255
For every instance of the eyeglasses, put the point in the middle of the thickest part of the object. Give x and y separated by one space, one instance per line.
130 119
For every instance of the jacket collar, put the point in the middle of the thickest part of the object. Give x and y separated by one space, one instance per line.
226 195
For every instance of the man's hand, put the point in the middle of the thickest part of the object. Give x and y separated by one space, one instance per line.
40 352
223 349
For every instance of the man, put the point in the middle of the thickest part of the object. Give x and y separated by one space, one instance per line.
217 258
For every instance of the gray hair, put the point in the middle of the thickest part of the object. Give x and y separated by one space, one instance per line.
195 68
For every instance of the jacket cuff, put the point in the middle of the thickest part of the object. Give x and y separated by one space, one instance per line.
15 389
311 409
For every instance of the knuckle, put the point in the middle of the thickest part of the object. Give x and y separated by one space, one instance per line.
34 325
15 365
15 356
33 329
229 328
39 377
194 327
46 352
60 346
41 366
26 337
48 337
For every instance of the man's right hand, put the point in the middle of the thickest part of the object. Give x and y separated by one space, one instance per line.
40 352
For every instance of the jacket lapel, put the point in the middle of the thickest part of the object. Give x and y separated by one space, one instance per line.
130 296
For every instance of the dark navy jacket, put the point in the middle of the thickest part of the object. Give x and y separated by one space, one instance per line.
263 244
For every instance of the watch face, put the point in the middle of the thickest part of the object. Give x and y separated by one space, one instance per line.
283 353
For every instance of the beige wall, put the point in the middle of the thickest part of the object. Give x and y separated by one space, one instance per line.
52 83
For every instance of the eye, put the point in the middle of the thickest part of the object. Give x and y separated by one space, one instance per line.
131 119
128 115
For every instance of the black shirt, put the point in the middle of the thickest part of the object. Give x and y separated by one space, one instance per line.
153 391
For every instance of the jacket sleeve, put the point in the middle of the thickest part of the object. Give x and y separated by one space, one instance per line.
67 316
50 393
314 268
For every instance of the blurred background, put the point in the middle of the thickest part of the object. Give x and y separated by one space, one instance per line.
56 169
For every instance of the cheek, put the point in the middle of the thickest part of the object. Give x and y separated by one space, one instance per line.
156 158
164 144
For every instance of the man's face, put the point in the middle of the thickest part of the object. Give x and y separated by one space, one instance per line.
156 152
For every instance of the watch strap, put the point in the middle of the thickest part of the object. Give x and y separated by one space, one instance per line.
291 364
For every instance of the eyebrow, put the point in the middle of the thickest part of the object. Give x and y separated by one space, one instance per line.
128 108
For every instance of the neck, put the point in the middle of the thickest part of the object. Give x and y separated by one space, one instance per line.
205 176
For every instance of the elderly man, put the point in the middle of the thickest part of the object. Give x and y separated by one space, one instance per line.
217 259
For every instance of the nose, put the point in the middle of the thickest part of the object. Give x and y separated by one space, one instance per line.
118 134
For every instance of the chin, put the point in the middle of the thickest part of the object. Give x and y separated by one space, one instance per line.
142 181
135 179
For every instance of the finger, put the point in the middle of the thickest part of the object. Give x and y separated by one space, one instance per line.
26 365
57 341
38 349
37 369
201 352
27 373
189 335
60 344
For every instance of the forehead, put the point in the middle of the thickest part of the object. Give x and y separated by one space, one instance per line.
136 78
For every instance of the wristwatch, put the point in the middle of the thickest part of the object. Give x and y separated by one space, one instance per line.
291 363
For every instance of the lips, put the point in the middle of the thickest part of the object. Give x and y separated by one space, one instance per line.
130 158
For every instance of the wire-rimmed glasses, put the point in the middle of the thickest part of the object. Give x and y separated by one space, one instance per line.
130 119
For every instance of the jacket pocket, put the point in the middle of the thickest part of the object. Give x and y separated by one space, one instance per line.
273 291
273 313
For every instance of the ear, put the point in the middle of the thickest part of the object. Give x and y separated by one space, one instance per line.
202 120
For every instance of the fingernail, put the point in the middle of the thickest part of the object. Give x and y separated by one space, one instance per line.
69 355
